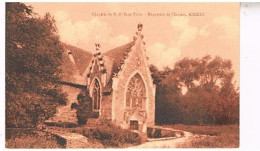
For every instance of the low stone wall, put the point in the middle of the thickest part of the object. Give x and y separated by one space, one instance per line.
70 140
60 124
163 133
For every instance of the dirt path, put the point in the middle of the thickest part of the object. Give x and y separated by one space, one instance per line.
171 143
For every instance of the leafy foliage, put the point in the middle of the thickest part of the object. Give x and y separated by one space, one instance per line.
112 135
33 59
84 108
29 138
210 97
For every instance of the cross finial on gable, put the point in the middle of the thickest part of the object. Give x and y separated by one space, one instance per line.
97 46
140 27
139 32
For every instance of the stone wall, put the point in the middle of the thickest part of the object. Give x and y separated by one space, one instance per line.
106 100
106 107
135 63
64 114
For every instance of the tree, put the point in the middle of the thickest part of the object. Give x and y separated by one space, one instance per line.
187 71
33 59
211 96
167 96
209 82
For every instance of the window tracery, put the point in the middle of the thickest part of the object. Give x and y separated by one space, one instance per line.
96 95
135 94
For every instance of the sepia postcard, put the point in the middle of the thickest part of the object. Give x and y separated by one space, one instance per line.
122 75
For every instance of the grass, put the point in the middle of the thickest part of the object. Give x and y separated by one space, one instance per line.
111 135
29 138
214 136
106 135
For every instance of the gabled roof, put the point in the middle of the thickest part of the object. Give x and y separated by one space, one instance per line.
118 55
110 62
113 60
70 70
82 58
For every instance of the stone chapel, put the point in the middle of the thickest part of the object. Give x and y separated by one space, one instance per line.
119 82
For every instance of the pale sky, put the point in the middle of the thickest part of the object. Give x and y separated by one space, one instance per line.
167 38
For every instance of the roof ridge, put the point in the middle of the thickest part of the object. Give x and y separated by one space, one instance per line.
138 35
121 46
75 47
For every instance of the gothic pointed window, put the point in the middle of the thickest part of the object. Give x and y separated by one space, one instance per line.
96 95
135 94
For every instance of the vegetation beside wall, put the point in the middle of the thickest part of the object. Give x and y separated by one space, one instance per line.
111 135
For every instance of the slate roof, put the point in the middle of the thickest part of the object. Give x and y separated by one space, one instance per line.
113 60
117 55
81 57
68 69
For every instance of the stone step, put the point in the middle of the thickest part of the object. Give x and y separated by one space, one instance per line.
69 140
65 115
60 124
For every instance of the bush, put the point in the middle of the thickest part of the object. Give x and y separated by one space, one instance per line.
29 138
157 133
74 106
84 108
33 67
112 135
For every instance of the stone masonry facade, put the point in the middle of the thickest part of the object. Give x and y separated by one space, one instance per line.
119 82
113 105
